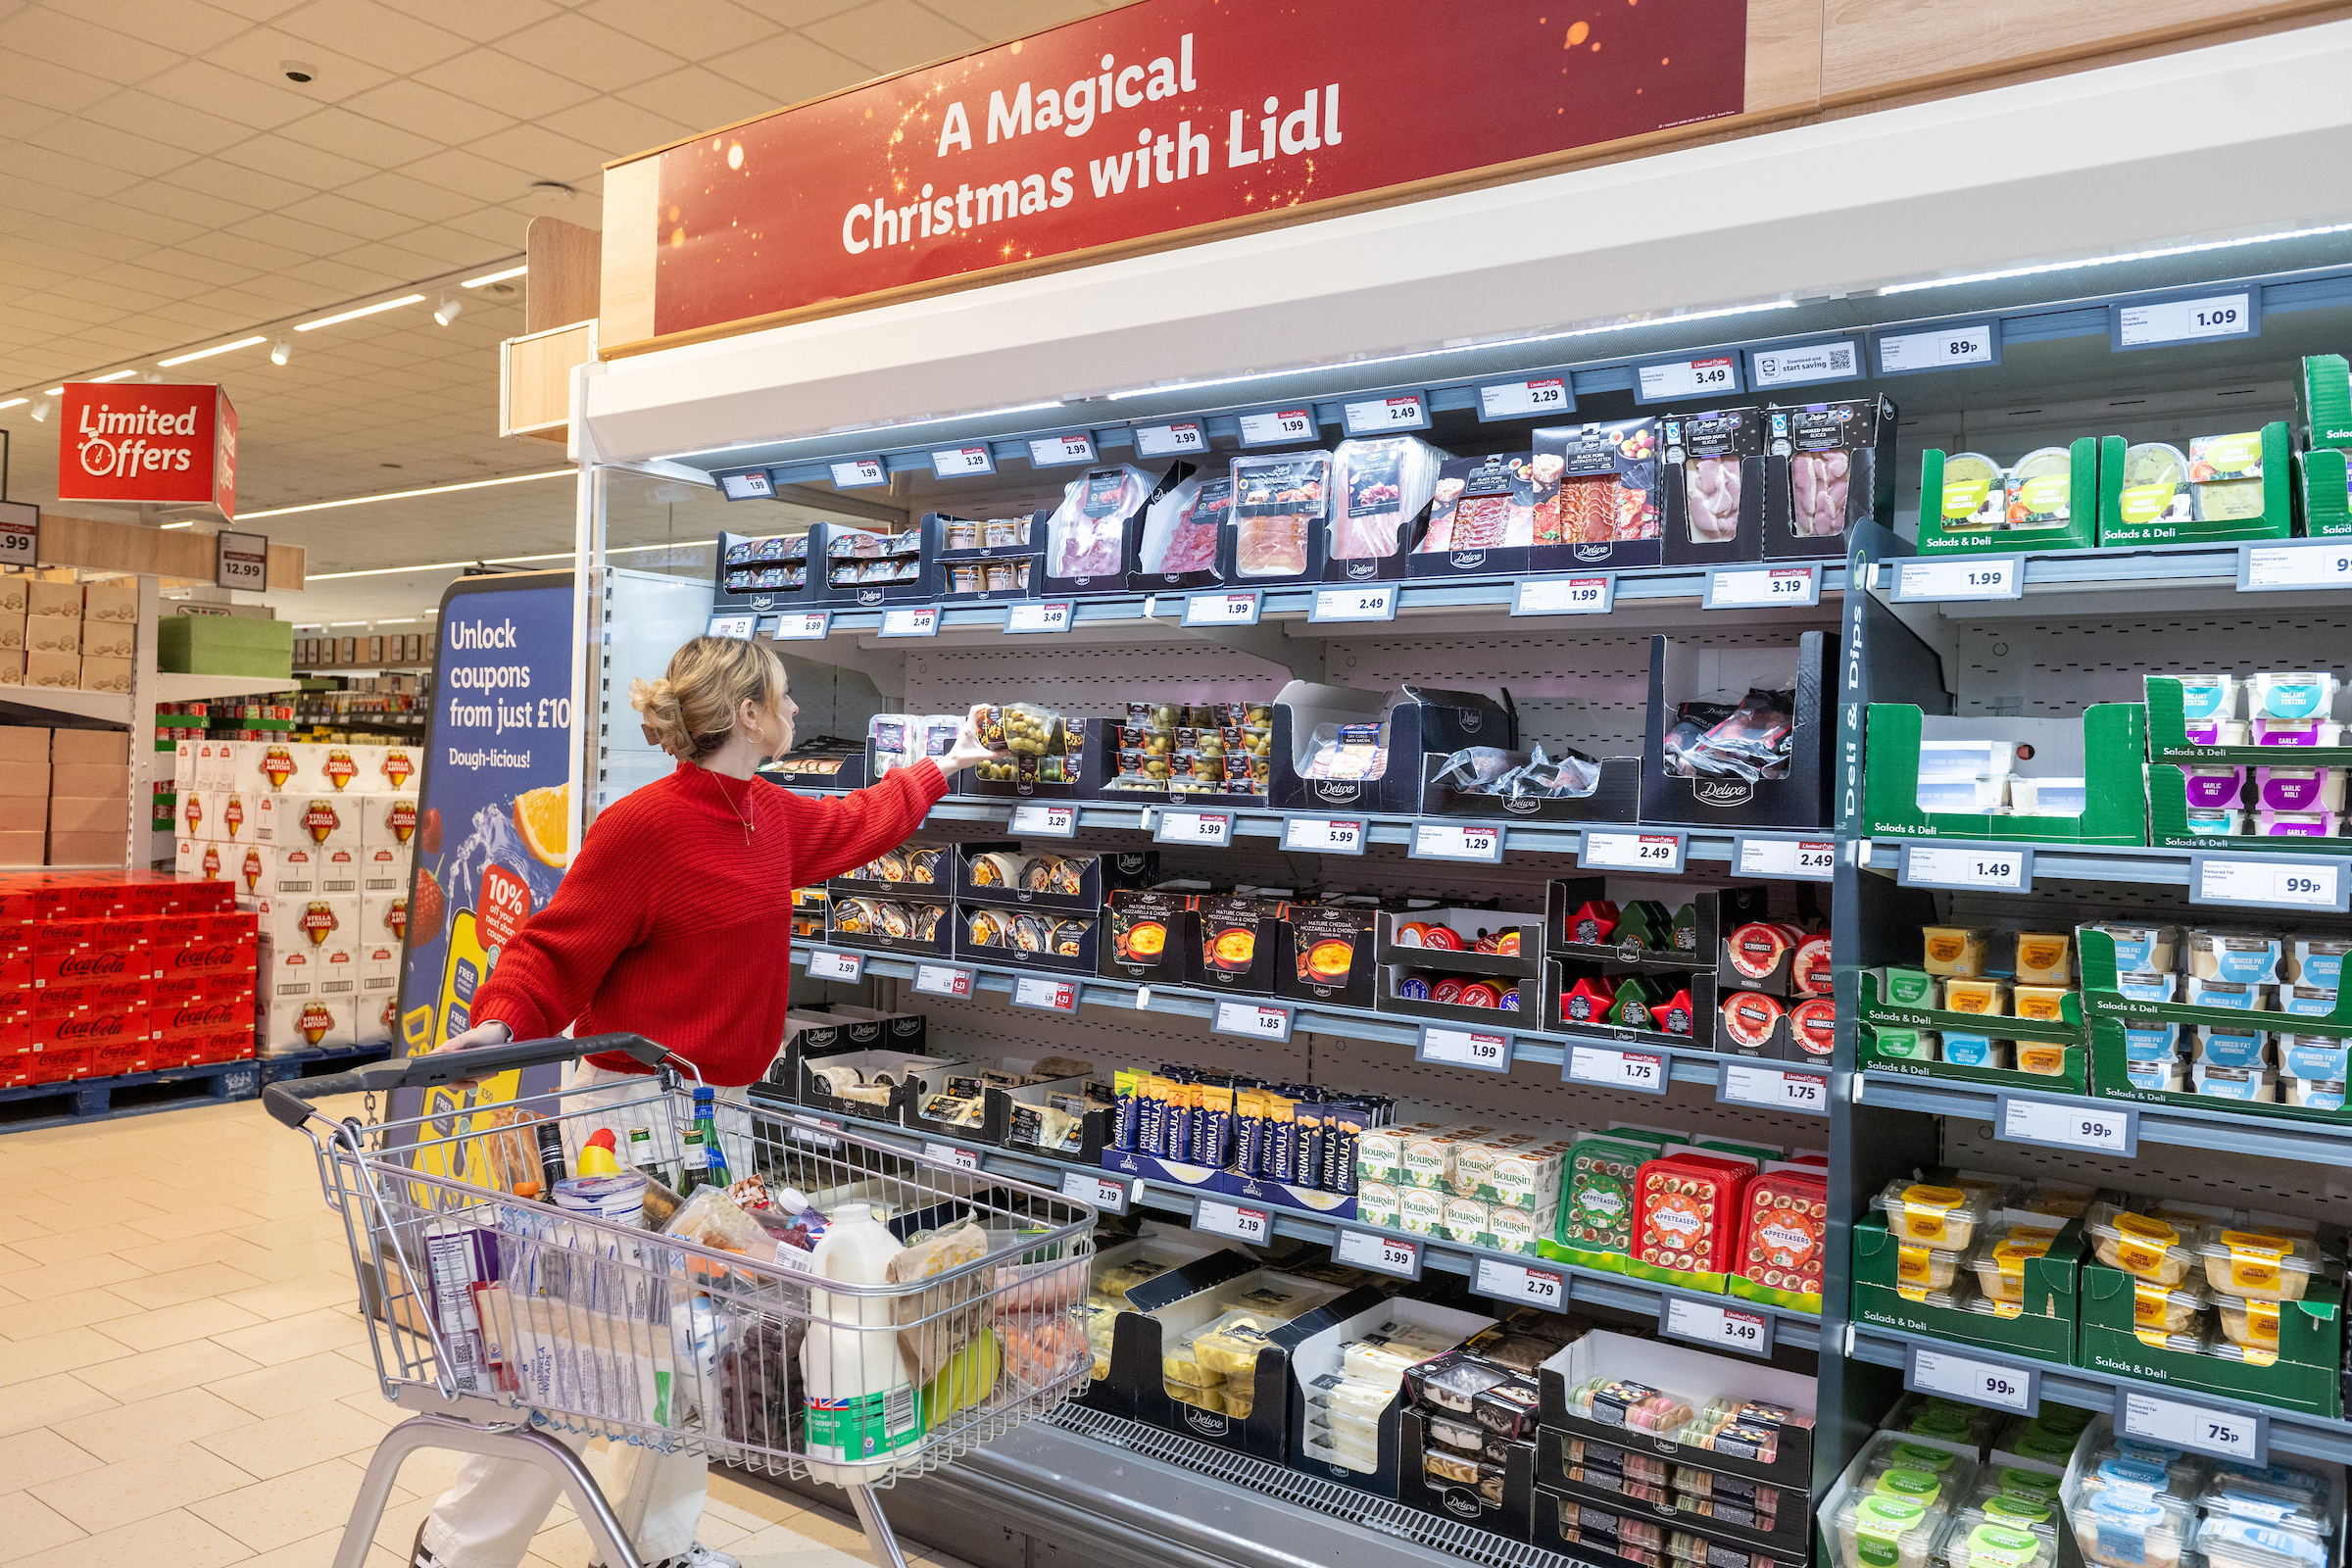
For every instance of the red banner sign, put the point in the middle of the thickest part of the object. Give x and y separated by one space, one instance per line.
128 442
1162 118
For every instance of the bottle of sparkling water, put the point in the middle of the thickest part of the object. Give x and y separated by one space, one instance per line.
706 1160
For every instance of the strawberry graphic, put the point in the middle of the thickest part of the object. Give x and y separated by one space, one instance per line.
429 836
428 907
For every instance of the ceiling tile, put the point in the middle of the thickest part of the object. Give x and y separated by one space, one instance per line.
346 279
541 153
496 224
357 136
83 137
429 112
468 175
505 83
623 127
449 249
588 52
347 217
394 262
51 168
187 26
22 116
143 114
335 74
257 10
797 13
26 196
250 186
173 200
262 258
314 168
277 228
235 95
891 35
701 97
791 69
75 236
482 21
138 222
399 194
697 32
389 37
212 272
61 38
1000 20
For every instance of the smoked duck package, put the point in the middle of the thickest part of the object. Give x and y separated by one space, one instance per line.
1714 483
1381 491
1091 537
1828 466
1182 528
1280 518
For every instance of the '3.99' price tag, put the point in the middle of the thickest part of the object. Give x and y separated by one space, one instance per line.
1399 1256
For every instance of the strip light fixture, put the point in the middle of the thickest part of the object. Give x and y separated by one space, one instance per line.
492 277
217 348
407 495
353 315
2193 249
500 560
111 375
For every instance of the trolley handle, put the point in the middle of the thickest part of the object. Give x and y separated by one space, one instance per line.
289 1102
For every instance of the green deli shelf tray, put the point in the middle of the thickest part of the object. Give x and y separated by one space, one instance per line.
1990 507
2304 1373
2223 489
2042 1326
2112 738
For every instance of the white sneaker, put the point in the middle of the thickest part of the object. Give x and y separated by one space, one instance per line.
697 1555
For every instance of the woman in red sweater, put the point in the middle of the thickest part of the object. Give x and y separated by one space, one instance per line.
674 922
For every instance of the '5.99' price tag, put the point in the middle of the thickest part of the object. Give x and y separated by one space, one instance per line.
1208 829
1323 835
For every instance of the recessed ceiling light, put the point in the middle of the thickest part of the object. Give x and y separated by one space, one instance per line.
113 376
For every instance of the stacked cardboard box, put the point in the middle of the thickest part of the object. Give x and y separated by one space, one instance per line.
316 840
103 973
68 636
14 593
24 791
65 796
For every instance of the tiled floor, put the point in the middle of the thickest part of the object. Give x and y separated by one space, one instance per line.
185 1381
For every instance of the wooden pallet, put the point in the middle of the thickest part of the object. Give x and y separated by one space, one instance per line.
320 1061
86 1099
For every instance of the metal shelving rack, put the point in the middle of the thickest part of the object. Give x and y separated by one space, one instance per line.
2136 601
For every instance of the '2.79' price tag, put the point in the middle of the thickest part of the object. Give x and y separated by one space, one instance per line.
1516 1282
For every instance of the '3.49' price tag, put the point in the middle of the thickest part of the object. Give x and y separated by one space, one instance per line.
1720 1328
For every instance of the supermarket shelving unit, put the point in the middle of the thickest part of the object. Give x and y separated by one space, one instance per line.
2085 624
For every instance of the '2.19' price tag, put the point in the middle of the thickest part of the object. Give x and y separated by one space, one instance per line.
1488 1050
1633 851
826 965
1253 1020
1399 1256
1804 859
1207 829
2100 1126
1048 821
1997 1384
2001 869
1323 835
1642 1071
1106 1193
1457 841
1238 1221
1517 1282
2227 1433
2275 883
1720 1328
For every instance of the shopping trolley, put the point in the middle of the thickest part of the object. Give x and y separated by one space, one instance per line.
499 1318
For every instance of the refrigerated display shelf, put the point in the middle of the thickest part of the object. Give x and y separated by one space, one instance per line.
2140 865
2291 1432
1691 1065
2224 1128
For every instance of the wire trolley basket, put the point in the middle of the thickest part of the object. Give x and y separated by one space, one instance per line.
706 1328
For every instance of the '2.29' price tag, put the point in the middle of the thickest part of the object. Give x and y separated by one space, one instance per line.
1517 1282
1516 400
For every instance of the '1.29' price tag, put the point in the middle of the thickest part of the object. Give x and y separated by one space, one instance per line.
2227 1434
1243 1224
1516 1282
1721 1328
1399 1256
1457 841
1643 1071
2100 1126
1322 835
1965 1378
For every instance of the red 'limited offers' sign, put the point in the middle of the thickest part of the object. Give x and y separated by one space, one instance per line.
1158 119
129 442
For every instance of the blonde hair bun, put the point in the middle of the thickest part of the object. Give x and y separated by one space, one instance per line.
690 711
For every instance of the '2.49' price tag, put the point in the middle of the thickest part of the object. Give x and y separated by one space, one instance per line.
921 620
1633 851
1806 859
1378 416
1517 1282
1375 602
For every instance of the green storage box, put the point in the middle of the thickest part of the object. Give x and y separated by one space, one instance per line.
2047 1332
2304 1377
225 645
2114 738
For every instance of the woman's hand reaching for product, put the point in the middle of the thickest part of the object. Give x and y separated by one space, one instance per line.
969 748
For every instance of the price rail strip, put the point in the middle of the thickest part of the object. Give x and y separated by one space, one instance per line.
2181 1126
2134 863
2291 1432
1691 1066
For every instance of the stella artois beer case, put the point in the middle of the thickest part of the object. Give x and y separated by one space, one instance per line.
103 973
316 840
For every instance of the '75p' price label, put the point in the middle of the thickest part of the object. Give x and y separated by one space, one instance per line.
1516 1282
2228 1434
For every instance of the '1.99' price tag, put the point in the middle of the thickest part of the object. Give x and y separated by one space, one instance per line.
1516 1282
1221 609
1275 427
1592 594
1399 1256
1488 1050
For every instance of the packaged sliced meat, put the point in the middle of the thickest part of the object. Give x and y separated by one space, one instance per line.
1712 487
1831 450
1608 482
1085 537
1713 450
1190 542
1278 502
1488 504
1381 484
1817 492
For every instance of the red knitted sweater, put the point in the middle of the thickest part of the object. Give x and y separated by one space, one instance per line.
669 925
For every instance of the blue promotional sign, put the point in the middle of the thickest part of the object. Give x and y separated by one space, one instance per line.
493 807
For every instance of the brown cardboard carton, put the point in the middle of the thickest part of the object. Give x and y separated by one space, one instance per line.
61 601
24 743
60 670
116 600
108 639
88 849
23 849
12 593
12 667
52 634
103 748
29 814
69 813
91 780
12 626
105 674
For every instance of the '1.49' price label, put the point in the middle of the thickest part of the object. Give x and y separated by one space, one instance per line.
1643 1071
1966 1377
1516 1282
2007 868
